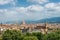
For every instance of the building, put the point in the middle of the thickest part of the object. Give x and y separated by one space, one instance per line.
42 27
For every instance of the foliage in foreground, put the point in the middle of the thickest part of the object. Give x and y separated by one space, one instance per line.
18 35
30 38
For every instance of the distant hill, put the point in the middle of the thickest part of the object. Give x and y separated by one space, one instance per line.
49 20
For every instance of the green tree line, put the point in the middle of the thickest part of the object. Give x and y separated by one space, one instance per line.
18 35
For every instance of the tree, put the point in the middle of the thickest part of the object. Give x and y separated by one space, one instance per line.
38 35
12 35
52 36
29 34
30 38
44 37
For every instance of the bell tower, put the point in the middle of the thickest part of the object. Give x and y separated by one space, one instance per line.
46 29
23 22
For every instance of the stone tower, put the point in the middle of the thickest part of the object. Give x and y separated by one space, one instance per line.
23 22
46 29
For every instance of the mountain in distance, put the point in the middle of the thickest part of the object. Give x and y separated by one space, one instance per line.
48 20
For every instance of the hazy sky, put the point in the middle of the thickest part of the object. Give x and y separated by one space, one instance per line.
12 10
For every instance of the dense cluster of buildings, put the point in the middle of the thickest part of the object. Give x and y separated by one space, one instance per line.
40 27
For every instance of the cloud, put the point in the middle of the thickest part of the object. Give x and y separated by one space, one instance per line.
53 6
20 12
35 8
3 2
32 12
38 1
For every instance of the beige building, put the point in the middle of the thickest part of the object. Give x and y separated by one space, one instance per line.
43 27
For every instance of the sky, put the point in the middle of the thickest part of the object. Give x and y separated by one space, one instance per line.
14 10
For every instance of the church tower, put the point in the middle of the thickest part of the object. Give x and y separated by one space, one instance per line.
23 22
46 29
